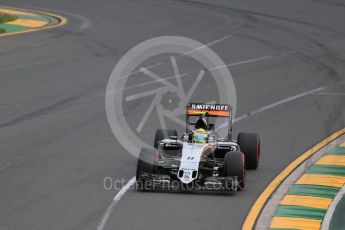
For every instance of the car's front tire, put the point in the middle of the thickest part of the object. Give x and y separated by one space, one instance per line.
234 166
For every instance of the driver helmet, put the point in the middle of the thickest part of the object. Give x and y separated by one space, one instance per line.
200 136
201 123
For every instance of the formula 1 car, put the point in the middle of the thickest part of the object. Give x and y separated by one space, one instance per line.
199 159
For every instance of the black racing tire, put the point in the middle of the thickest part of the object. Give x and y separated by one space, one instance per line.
234 166
162 134
250 146
146 162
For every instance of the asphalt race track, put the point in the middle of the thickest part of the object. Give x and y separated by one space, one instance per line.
57 147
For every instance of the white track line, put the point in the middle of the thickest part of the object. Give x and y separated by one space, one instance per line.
330 94
245 61
275 104
116 199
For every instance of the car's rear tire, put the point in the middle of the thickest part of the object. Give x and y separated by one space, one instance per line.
234 166
250 146
162 134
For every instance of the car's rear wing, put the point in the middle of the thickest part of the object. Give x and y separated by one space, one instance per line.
210 110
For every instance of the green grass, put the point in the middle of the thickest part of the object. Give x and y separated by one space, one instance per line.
6 18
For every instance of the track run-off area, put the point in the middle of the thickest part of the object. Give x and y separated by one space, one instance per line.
26 21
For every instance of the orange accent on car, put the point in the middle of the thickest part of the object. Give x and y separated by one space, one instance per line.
217 113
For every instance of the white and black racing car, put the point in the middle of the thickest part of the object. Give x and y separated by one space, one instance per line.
200 158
